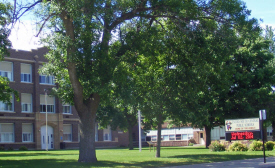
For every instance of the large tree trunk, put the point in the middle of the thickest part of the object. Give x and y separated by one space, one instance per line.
208 136
130 132
86 108
87 117
159 135
87 138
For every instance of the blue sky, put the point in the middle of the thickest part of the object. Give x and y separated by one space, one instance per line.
262 9
23 37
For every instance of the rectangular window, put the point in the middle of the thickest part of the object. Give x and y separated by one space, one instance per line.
107 134
26 70
154 138
27 132
6 132
6 70
26 102
66 109
165 137
46 79
67 133
47 103
178 137
171 137
43 79
190 136
184 137
8 107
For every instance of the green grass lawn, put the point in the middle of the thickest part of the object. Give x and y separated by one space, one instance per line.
121 157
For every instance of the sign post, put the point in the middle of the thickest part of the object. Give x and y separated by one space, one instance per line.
139 131
262 115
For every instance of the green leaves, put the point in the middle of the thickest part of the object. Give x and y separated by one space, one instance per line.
5 20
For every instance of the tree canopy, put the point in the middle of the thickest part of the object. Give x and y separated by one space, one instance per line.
85 48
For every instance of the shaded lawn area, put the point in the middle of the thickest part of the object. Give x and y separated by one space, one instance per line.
121 157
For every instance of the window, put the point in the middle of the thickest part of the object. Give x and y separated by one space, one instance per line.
46 79
66 109
47 104
190 136
67 133
178 137
154 138
107 134
7 106
184 137
171 137
6 70
26 102
165 137
6 133
26 73
27 132
43 79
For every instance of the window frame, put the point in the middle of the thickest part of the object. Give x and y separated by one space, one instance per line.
47 79
8 72
29 134
107 131
28 104
50 106
70 134
70 109
10 134
11 105
28 75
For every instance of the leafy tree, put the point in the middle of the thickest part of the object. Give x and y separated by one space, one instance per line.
241 88
5 20
269 35
81 56
5 44
80 52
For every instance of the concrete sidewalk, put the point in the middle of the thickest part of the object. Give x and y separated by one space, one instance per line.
248 163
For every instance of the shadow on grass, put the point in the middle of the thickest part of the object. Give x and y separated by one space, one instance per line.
52 163
32 154
173 148
182 160
205 158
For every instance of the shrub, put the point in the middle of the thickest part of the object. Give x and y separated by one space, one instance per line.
10 148
2 148
269 145
237 146
23 148
256 146
192 141
190 144
216 146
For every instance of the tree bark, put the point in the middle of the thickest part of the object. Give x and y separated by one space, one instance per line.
87 151
208 136
87 138
159 135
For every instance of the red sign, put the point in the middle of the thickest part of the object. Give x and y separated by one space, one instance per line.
231 136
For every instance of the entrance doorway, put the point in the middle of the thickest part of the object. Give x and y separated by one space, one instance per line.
201 139
44 136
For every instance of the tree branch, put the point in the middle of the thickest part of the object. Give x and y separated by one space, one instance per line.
44 24
26 9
